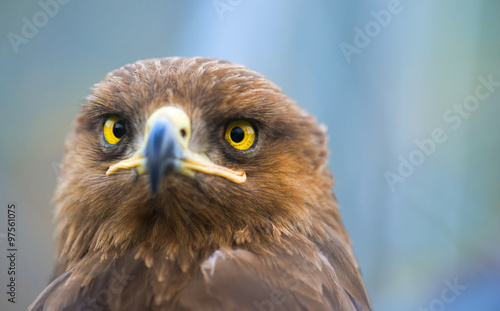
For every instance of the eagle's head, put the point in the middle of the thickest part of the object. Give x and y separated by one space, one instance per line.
180 152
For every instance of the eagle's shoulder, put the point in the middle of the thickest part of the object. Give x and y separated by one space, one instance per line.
241 280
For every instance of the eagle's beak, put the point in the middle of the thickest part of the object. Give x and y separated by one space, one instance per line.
165 150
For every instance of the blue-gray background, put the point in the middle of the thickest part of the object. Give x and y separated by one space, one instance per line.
438 227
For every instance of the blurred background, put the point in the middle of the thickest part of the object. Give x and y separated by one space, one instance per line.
409 90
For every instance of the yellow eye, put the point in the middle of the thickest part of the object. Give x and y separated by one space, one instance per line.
240 134
113 130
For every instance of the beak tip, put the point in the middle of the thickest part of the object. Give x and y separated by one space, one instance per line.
154 181
154 189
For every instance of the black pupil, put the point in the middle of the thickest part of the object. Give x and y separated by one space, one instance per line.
118 130
237 134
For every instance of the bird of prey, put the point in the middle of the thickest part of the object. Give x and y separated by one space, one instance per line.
197 184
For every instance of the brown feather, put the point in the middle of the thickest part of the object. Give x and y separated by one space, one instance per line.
202 243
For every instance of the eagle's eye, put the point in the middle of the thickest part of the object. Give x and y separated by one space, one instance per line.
240 134
113 130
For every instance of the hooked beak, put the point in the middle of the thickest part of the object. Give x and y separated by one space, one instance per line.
165 151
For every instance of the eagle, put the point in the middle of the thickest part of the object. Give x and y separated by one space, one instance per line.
197 184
